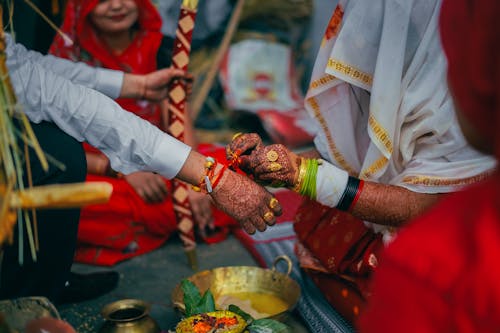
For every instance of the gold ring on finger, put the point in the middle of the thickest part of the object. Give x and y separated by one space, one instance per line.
236 135
272 156
273 203
274 166
268 217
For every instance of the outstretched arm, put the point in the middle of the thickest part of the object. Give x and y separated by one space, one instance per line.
275 165
131 143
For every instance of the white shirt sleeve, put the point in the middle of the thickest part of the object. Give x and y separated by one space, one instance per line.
130 142
107 81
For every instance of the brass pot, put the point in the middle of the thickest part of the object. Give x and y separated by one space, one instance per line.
268 288
128 316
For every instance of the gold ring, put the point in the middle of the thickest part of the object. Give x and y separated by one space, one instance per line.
268 217
272 156
236 135
229 151
273 203
273 167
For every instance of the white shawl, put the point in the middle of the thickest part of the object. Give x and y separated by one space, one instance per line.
379 95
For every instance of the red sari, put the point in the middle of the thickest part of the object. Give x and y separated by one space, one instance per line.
126 226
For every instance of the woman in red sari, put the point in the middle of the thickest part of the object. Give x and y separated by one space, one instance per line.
450 282
125 35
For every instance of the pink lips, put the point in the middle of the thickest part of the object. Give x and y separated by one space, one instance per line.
117 18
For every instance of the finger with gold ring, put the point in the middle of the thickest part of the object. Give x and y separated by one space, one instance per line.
236 135
272 156
268 216
273 203
274 166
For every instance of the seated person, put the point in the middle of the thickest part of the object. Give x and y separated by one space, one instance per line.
139 217
450 279
388 144
73 98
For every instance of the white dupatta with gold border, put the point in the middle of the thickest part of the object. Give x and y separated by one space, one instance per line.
380 98
379 95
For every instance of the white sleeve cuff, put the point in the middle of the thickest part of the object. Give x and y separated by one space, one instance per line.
169 157
109 82
330 184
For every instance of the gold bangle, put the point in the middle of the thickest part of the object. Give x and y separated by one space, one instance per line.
302 174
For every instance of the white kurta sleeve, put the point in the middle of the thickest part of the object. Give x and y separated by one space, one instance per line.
106 81
130 142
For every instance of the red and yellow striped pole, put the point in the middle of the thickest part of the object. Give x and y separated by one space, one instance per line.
176 121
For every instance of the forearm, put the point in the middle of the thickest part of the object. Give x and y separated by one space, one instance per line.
391 205
193 169
106 81
374 202
134 86
312 153
131 143
97 164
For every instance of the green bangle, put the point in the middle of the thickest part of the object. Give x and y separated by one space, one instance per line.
308 187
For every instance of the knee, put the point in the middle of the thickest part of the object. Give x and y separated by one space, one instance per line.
67 165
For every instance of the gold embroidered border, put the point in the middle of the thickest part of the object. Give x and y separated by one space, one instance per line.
350 71
374 168
322 81
336 154
381 134
437 181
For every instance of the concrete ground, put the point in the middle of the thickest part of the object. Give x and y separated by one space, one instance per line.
152 278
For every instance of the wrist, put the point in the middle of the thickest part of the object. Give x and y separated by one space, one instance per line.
351 194
307 177
134 86
213 173
299 174
331 184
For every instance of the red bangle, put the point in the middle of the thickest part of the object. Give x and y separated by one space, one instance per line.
356 196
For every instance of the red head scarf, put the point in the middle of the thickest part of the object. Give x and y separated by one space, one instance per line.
470 33
140 57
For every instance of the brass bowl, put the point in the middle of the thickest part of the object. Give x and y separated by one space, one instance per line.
272 293
128 316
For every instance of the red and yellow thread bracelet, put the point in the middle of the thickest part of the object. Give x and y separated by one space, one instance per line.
205 184
218 176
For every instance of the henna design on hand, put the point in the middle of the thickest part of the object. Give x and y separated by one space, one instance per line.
245 201
272 165
242 144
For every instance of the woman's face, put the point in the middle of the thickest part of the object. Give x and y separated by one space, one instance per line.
114 16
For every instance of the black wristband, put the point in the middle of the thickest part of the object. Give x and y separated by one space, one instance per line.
349 194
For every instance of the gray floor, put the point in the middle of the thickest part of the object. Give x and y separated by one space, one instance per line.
152 277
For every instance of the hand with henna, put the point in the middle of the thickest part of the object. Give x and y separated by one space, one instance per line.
272 165
250 204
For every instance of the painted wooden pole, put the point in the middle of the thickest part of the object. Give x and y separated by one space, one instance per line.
176 124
